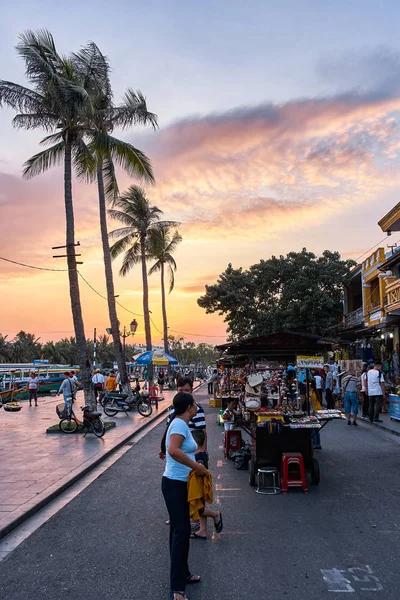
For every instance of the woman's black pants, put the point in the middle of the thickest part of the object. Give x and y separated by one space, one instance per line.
176 498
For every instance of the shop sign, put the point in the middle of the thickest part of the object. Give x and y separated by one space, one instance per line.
310 362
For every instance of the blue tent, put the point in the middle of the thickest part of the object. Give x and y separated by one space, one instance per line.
155 357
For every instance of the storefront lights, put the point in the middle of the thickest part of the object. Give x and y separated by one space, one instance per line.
382 336
391 335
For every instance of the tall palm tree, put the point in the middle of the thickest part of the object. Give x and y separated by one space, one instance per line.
60 102
134 210
108 151
161 245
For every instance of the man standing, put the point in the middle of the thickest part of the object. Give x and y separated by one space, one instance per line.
376 390
32 387
67 390
319 385
329 388
351 389
364 376
98 383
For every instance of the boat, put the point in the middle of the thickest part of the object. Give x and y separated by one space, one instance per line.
14 378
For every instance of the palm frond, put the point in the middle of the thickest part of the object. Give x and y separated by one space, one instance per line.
41 162
156 267
133 111
171 277
84 162
121 216
132 257
42 63
35 120
20 98
110 180
132 160
120 245
50 139
94 69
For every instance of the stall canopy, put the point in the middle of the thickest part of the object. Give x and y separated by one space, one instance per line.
282 346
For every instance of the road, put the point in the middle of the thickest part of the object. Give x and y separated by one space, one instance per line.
110 542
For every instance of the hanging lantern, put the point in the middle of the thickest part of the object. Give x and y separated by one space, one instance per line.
133 326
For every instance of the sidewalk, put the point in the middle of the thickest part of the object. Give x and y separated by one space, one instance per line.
387 424
35 467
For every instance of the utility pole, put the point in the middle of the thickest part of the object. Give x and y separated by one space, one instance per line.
94 347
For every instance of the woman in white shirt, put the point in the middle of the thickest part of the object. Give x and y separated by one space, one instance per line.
32 387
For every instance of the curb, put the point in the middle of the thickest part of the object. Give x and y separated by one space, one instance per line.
384 428
57 491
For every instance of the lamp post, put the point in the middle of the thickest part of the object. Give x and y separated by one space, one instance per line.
126 333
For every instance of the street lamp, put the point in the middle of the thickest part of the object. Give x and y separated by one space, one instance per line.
133 325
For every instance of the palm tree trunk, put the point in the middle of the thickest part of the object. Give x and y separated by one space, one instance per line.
112 310
146 313
164 307
83 358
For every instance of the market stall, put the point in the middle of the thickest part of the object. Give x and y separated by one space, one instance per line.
287 427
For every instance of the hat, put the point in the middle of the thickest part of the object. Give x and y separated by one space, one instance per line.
97 370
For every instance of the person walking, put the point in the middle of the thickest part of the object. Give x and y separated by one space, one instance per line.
179 447
210 382
364 376
161 381
32 387
351 388
329 381
319 385
111 382
67 390
376 390
98 382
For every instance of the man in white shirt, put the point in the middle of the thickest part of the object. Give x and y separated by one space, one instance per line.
98 382
376 390
318 384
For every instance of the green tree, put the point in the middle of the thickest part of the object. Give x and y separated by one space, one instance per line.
188 353
5 349
25 347
61 103
161 245
138 217
298 292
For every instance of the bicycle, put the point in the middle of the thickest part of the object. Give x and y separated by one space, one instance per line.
91 423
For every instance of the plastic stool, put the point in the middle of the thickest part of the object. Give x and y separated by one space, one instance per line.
298 480
262 481
233 441
153 395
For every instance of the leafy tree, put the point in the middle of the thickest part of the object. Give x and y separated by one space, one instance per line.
161 245
298 292
188 353
134 210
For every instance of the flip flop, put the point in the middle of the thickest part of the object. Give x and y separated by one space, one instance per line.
220 525
193 579
195 536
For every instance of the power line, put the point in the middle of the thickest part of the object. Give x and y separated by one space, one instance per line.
106 299
14 262
366 252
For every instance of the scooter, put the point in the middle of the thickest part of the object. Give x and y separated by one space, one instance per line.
115 402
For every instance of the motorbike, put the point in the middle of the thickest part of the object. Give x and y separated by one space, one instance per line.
115 402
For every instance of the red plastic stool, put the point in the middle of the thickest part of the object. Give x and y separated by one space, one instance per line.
153 395
297 480
233 441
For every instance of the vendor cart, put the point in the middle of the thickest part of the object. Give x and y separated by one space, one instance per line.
269 442
268 445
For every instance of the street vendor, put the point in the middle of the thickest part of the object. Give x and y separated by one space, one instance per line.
228 416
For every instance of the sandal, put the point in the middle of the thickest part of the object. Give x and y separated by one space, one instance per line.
196 536
193 579
220 525
179 596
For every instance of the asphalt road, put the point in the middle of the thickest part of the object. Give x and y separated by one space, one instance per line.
111 541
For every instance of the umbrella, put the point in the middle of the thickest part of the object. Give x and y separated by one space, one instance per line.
155 357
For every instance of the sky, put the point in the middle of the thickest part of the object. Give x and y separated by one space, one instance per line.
278 129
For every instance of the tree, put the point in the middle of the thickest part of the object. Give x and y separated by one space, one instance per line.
60 102
134 210
161 245
108 151
188 353
298 292
5 349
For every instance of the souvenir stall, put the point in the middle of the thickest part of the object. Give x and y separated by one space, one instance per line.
284 427
232 380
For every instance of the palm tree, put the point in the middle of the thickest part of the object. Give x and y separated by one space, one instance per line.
161 245
139 217
60 102
108 151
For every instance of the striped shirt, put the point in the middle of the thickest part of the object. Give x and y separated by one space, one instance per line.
198 422
350 383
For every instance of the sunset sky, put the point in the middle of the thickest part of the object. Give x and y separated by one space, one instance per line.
279 129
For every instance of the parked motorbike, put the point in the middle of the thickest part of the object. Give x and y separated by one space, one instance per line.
115 402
